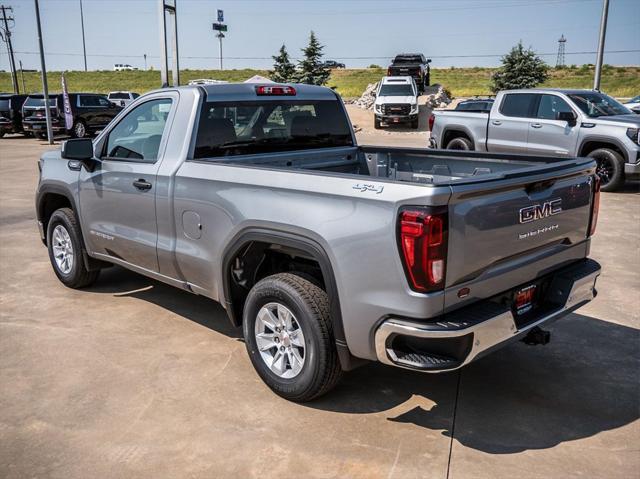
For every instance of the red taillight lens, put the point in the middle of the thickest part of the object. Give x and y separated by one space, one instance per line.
389 72
264 90
595 206
432 120
422 233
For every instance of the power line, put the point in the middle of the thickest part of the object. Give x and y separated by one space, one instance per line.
203 57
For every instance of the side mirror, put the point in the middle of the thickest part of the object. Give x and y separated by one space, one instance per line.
80 150
568 116
374 94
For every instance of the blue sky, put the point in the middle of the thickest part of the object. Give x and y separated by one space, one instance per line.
357 32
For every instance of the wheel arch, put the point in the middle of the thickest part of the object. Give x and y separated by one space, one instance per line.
311 249
591 143
456 131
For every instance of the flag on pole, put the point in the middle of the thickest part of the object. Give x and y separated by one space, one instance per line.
68 116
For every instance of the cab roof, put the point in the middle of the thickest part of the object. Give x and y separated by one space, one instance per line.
247 92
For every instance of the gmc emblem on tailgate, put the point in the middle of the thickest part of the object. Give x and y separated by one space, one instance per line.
538 212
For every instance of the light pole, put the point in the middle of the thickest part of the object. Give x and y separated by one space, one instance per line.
603 33
145 61
84 48
24 89
45 88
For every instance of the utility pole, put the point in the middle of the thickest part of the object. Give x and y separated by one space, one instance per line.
45 88
84 47
7 38
603 33
220 37
24 88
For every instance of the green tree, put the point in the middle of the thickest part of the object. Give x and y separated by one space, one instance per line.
283 70
520 69
310 69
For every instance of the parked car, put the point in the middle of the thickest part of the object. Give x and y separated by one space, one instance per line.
119 67
634 104
11 113
122 98
91 113
396 102
333 64
414 65
327 254
482 105
549 122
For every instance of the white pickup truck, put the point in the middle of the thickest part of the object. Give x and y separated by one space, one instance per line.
549 122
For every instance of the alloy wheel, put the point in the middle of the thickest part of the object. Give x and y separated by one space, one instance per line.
62 249
280 340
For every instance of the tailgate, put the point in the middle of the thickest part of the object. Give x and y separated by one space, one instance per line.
503 234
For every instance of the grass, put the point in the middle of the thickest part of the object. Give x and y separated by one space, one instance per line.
621 82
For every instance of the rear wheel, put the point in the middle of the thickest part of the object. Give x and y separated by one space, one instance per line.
460 143
610 168
79 129
289 337
66 250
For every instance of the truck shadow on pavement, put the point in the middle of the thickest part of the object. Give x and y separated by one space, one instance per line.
585 381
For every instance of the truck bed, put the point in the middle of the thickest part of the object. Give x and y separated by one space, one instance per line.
411 165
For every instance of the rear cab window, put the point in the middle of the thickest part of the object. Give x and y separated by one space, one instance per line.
255 127
518 105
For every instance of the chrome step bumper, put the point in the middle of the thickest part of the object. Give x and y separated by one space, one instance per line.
480 328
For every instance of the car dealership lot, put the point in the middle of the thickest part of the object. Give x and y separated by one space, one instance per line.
133 378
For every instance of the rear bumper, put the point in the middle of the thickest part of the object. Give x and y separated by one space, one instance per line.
457 338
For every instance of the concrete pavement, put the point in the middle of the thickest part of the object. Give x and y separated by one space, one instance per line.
132 378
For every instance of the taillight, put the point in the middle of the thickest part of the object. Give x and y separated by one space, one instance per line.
264 90
595 205
432 120
422 234
389 74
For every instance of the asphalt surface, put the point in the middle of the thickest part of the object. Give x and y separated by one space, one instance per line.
132 378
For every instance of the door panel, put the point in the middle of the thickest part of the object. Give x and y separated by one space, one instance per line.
548 136
508 128
118 204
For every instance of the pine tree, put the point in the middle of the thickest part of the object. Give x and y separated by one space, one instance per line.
283 70
520 69
310 69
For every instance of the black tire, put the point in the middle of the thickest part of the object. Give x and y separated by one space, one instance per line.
376 124
2 133
610 168
460 143
78 276
309 304
27 134
415 123
79 129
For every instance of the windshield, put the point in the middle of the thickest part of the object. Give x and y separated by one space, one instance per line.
255 127
594 105
401 89
35 101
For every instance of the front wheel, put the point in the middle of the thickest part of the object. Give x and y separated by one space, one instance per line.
66 250
376 124
289 337
414 124
610 168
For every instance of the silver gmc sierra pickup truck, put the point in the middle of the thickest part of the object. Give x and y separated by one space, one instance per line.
554 122
328 254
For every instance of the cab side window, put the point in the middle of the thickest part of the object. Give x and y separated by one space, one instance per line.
137 136
518 105
550 106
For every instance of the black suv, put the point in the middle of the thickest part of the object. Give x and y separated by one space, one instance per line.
11 113
333 64
91 112
413 65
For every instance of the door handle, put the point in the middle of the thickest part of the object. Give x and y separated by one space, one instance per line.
536 125
142 185
496 122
